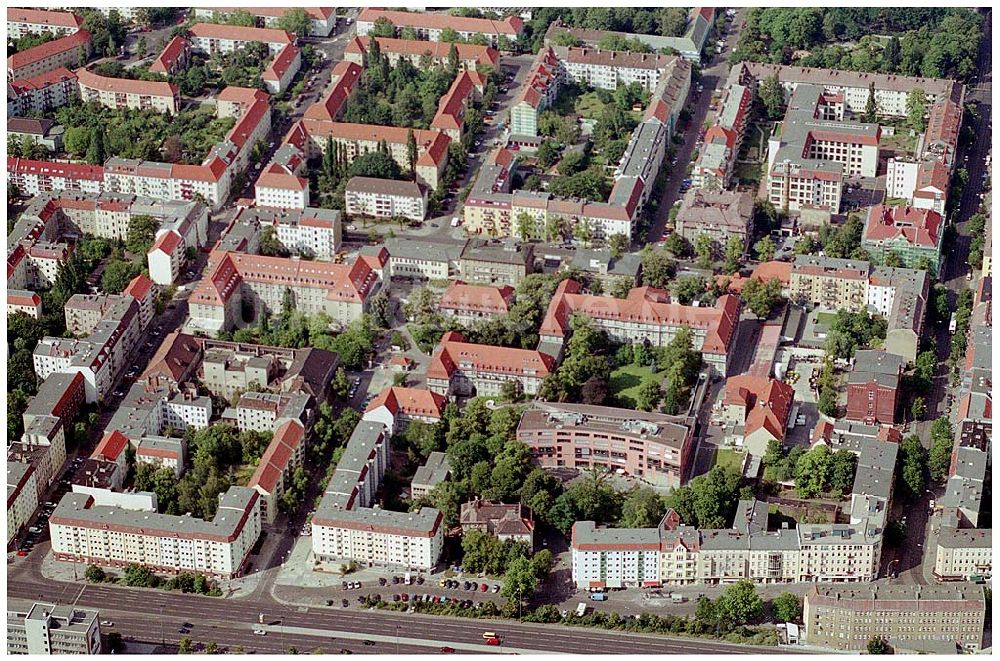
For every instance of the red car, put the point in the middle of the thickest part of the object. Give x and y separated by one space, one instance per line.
493 641
22 553
447 650
484 587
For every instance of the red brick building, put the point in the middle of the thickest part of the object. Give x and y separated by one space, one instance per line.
873 387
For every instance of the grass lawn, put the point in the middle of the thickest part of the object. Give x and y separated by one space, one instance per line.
826 318
732 459
748 173
626 381
588 105
244 473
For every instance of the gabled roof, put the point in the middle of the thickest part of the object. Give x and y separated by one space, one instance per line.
344 76
126 85
438 49
167 242
281 63
58 19
918 227
768 402
510 26
111 446
275 176
48 49
240 33
477 298
453 353
165 61
410 401
139 287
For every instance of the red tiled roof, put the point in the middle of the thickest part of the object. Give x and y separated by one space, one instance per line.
510 26
432 145
281 63
33 300
773 269
931 174
644 306
917 226
111 446
316 13
275 176
451 109
240 33
61 19
53 169
242 95
165 61
410 401
275 460
345 76
139 287
453 351
174 357
48 49
126 85
768 402
41 81
438 49
477 298
167 242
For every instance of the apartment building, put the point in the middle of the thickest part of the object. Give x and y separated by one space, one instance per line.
22 300
395 406
607 69
282 69
829 282
645 315
310 135
714 166
34 177
173 58
758 408
230 367
600 264
471 57
43 132
40 59
41 629
416 259
87 533
213 38
278 186
499 33
274 471
465 89
340 290
912 618
615 557
310 232
21 22
652 447
263 411
873 387
469 304
322 20
433 472
343 78
43 443
346 526
162 452
923 184
539 90
914 235
459 368
963 554
496 263
47 91
385 198
22 496
127 93
719 215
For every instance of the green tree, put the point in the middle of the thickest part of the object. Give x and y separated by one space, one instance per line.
141 234
916 108
764 249
96 154
734 255
787 607
942 442
95 574
912 465
296 21
762 297
773 97
740 604
643 508
688 288
704 248
377 164
871 106
185 646
382 27
526 225
658 268
618 243
919 408
812 472
878 646
519 581
117 274
649 396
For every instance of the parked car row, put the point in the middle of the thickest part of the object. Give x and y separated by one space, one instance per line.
453 584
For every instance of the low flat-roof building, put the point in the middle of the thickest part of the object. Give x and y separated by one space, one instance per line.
433 472
43 629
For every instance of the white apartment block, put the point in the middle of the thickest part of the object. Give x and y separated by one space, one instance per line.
46 629
50 90
964 554
35 177
314 232
37 60
212 38
117 537
322 19
623 557
384 198
21 22
125 93
429 27
22 496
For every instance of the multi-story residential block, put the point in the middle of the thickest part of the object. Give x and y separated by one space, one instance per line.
310 135
500 33
615 557
873 387
465 89
263 411
720 215
283 455
495 263
433 472
900 295
611 271
347 527
47 91
829 282
963 554
173 58
311 232
914 235
911 618
44 132
646 315
22 496
21 22
759 408
653 447
34 177
40 59
279 186
342 291
538 91
416 259
42 629
114 536
162 452
127 93
395 406
343 78
512 521
471 303
471 57
23 300
282 69
965 488
385 198
322 20
923 184
607 69
213 38
464 369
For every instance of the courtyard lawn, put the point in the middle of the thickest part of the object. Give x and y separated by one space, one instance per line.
826 318
732 459
588 105
748 173
626 381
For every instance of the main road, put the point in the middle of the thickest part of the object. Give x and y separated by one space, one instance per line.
154 617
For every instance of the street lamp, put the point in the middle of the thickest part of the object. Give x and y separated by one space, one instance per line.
888 570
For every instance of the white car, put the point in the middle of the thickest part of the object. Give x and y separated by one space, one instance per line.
107 623
259 632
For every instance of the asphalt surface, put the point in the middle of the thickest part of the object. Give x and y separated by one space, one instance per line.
153 616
